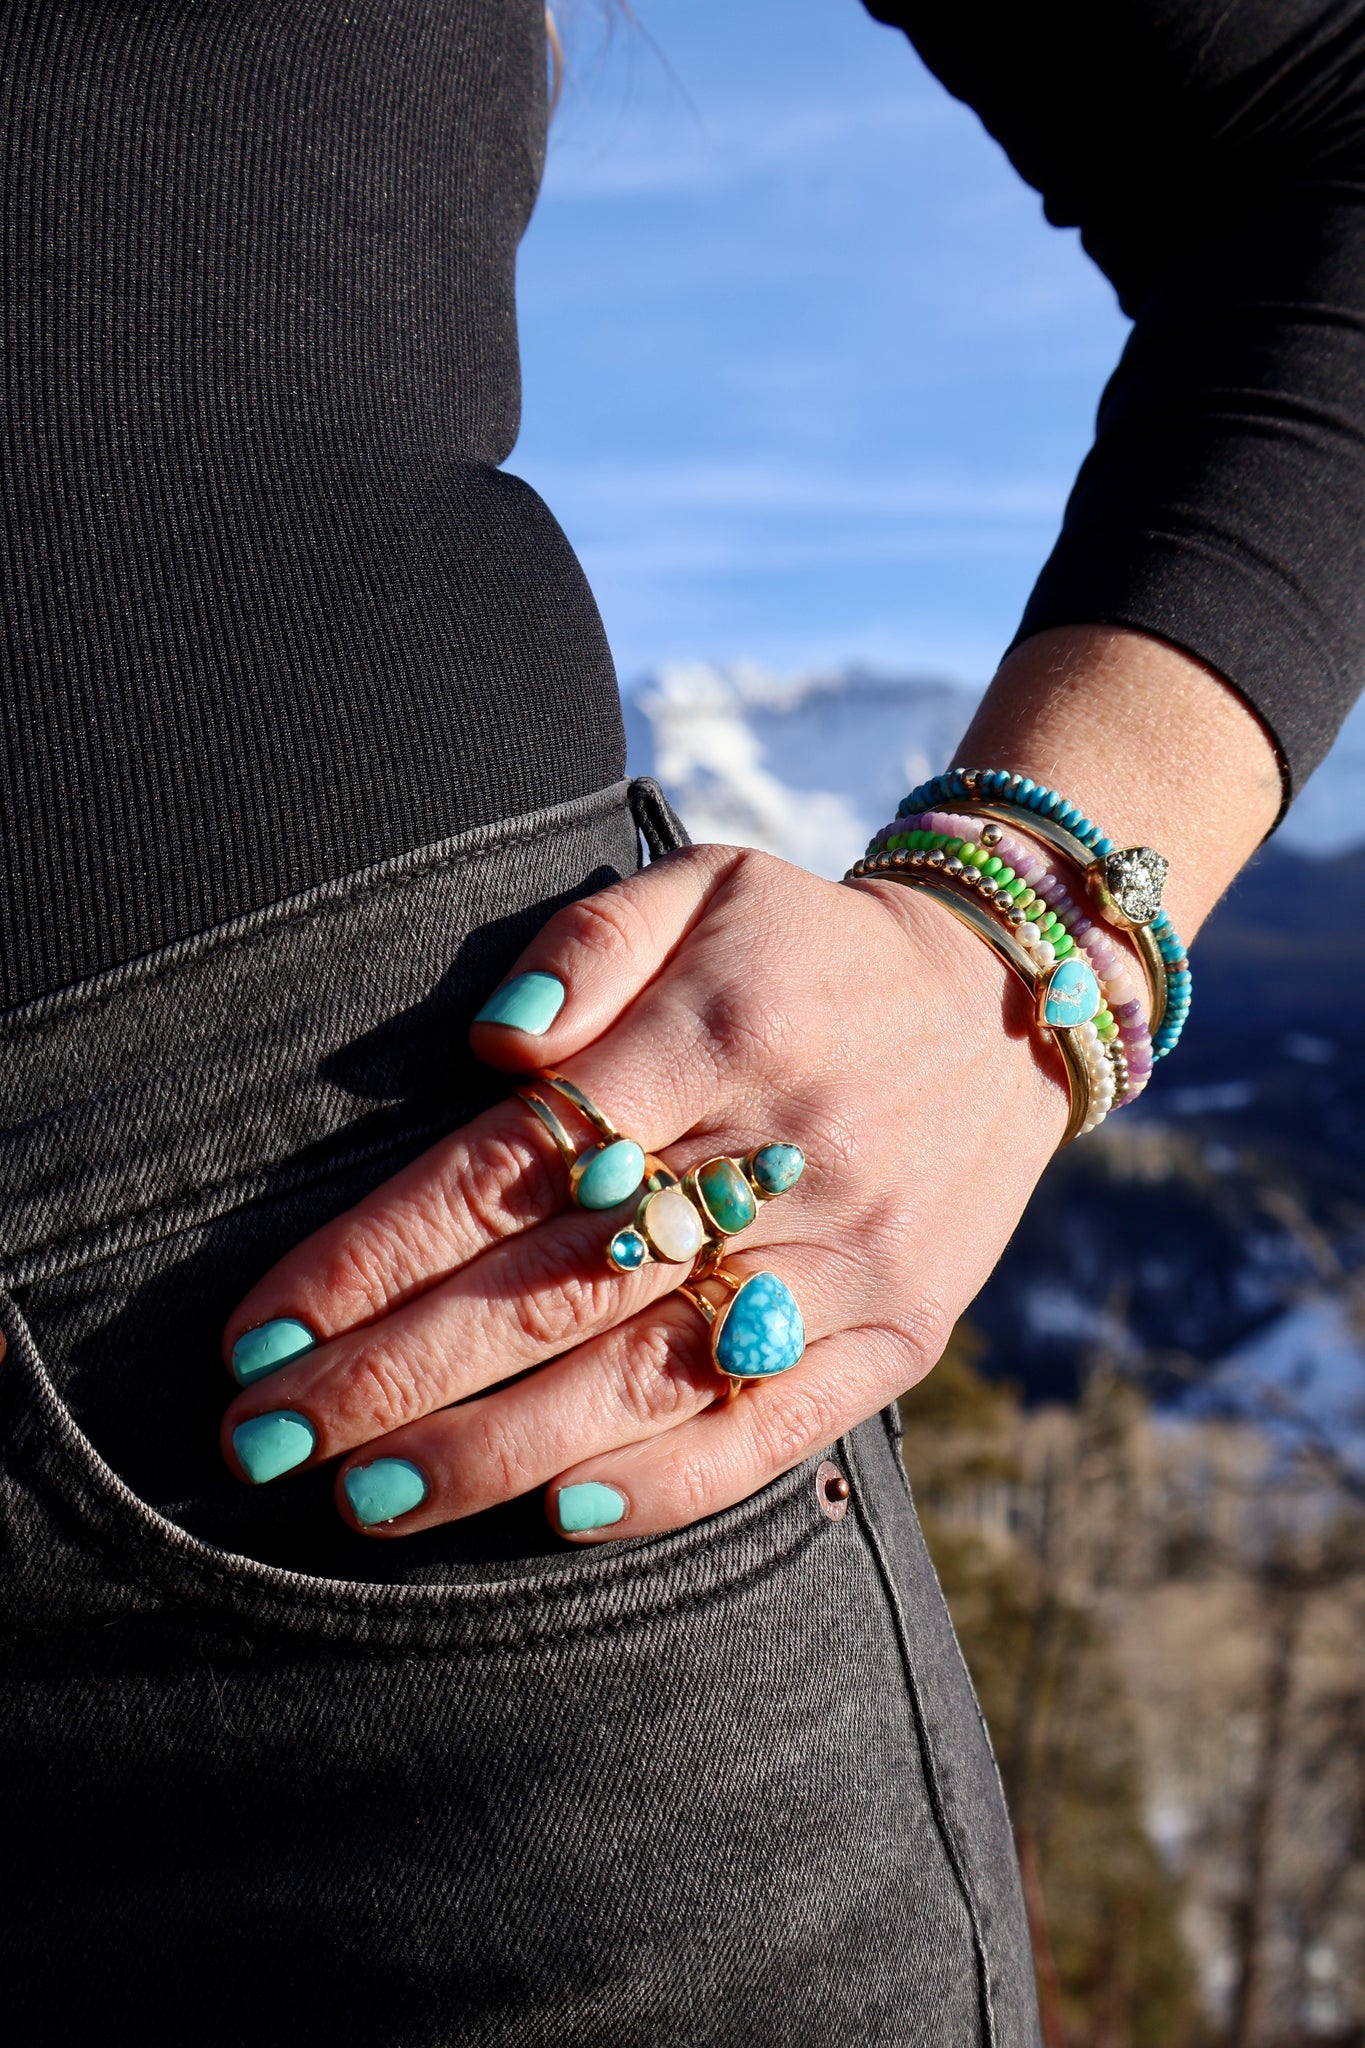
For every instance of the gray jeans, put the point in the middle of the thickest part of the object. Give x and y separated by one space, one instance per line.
267 1782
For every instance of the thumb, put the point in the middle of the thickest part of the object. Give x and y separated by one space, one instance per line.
593 958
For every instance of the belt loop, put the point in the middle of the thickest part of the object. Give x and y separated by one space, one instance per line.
659 824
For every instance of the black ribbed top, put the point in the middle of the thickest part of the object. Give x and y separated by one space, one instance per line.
270 611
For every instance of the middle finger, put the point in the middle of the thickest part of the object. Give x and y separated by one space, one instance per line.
523 1301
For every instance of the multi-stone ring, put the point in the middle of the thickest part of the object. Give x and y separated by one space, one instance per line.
675 1219
755 1327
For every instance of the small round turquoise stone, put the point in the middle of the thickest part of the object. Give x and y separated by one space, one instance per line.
777 1167
1073 993
730 1201
611 1175
627 1250
762 1332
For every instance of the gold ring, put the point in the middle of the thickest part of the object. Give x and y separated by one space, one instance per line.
755 1329
601 1175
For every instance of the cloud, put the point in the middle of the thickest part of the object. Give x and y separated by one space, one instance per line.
730 146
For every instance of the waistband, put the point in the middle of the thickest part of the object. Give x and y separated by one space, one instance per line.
292 1043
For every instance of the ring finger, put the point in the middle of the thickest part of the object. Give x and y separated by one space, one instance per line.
647 1378
642 1378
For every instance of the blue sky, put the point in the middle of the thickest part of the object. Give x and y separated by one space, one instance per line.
806 374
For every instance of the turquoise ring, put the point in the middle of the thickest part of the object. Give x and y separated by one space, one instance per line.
677 1221
601 1176
755 1329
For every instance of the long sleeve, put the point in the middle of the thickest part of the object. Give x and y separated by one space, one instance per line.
1212 153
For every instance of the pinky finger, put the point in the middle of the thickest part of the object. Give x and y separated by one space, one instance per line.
729 1451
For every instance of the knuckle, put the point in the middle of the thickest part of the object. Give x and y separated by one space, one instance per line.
692 1483
363 1270
498 1188
502 1459
760 870
608 927
838 1139
652 1387
790 1429
921 1331
550 1311
382 1396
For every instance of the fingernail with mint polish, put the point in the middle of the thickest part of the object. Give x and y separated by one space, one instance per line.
268 1445
529 1002
269 1346
588 1506
381 1491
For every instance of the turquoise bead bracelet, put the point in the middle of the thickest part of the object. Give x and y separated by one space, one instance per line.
1124 882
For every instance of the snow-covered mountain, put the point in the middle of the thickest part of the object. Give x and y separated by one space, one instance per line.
804 766
808 766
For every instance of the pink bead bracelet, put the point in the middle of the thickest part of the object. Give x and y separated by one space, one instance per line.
1118 979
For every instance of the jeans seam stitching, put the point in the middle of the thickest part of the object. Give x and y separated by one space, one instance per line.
904 1477
928 1758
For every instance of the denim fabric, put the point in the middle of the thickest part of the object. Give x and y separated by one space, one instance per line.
268 1782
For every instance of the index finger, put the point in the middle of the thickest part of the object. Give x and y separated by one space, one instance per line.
486 1181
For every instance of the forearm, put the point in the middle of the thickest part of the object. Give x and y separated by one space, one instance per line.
1222 507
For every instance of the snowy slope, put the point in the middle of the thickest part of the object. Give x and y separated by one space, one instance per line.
808 766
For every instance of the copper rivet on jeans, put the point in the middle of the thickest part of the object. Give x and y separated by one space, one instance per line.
832 1491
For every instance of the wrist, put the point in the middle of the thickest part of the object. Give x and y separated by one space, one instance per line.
970 993
1147 741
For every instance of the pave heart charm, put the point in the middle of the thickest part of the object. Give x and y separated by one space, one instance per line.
1126 886
1068 995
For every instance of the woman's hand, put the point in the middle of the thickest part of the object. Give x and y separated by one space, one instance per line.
472 1326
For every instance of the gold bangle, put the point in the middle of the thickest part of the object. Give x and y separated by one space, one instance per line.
1004 944
1032 826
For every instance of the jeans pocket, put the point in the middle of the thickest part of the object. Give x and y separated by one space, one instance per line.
73 1524
671 1791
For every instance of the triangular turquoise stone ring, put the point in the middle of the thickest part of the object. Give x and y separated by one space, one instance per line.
756 1327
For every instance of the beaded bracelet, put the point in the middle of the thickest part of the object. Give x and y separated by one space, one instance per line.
1059 997
1125 883
1041 896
